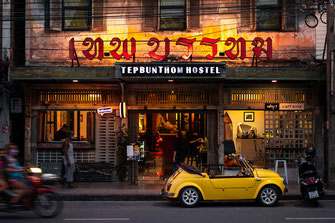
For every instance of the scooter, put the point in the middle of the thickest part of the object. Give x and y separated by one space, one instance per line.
40 198
311 185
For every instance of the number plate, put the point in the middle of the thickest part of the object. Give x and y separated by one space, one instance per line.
313 194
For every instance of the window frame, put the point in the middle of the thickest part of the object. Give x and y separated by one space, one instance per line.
81 8
280 6
44 125
185 8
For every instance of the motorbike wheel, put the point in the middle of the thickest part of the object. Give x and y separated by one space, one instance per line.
47 205
268 196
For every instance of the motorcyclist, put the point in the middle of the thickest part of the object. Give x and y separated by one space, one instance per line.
310 153
3 180
14 173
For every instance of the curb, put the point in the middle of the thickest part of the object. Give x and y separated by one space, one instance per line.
111 197
146 197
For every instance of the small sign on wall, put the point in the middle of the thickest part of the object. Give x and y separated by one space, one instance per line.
291 106
272 106
16 105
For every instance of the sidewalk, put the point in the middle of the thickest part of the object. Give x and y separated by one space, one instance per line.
144 191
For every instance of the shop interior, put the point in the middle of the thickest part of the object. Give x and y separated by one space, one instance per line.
157 134
244 134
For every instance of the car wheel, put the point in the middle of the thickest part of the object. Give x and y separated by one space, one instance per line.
189 197
268 196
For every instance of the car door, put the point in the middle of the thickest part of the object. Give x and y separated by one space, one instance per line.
233 187
239 185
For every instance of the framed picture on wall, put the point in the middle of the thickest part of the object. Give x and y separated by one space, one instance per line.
16 105
249 116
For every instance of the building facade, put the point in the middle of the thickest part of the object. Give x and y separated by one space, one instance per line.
210 67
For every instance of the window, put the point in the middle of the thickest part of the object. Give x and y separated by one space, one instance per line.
165 15
268 15
77 14
82 123
172 15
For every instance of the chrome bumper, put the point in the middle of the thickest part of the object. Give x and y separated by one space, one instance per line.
166 194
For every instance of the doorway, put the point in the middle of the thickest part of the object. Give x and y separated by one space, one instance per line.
156 132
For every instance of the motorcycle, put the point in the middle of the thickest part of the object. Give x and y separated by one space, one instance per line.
40 198
310 183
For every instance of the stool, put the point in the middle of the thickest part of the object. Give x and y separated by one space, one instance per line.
285 168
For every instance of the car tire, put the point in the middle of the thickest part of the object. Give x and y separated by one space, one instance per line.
189 197
268 196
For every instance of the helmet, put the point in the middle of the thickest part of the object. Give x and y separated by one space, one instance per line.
310 152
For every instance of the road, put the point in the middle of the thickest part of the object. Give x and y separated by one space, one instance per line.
164 212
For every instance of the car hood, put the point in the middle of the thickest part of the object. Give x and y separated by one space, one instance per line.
262 173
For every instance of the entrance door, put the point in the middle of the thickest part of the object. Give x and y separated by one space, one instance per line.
107 127
156 131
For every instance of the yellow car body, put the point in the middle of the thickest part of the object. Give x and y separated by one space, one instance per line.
226 187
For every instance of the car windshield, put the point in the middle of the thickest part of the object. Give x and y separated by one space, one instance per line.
235 166
190 169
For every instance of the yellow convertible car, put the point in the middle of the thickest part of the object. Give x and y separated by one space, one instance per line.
243 182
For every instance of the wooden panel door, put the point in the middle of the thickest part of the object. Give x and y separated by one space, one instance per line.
106 129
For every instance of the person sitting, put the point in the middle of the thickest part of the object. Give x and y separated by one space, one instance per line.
14 173
61 133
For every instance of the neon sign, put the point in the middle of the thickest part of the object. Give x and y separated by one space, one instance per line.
95 48
103 111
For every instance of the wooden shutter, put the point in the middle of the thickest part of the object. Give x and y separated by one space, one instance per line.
290 15
150 15
56 15
99 23
245 15
105 149
194 14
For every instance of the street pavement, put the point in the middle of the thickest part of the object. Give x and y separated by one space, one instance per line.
148 191
290 211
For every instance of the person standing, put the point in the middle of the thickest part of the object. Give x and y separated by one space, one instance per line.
69 159
195 142
59 136
181 146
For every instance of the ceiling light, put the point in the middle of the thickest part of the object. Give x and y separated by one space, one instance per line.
75 81
274 81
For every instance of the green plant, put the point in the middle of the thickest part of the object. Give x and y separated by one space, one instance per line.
122 142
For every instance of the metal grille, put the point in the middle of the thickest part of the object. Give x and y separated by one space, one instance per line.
258 96
173 97
287 133
76 96
106 138
80 156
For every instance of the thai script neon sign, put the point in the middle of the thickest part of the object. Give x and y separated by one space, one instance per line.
95 48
